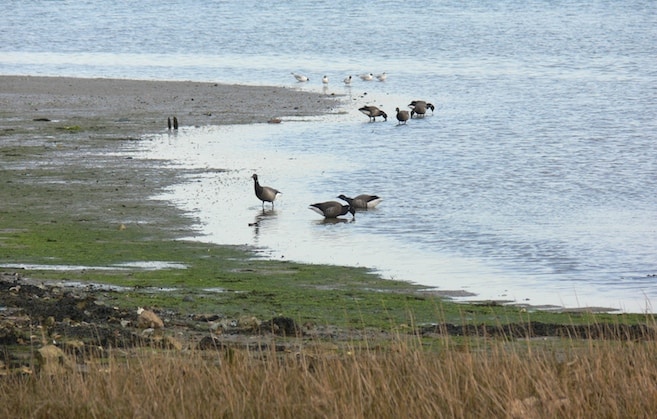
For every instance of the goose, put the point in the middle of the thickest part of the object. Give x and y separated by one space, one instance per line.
382 77
366 77
325 79
373 112
402 116
347 80
363 201
332 209
264 193
419 107
300 77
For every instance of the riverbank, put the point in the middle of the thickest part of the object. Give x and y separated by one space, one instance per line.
79 231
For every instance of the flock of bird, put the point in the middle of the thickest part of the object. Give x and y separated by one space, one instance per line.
418 107
335 209
328 209
347 80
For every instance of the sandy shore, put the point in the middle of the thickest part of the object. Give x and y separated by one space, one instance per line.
143 106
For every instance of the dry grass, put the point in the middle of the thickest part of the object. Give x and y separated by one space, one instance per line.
409 377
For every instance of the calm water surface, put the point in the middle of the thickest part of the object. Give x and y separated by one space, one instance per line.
533 181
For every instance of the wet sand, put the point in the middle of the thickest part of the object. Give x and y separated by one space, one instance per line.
140 107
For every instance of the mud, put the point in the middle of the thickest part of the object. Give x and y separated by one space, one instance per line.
36 312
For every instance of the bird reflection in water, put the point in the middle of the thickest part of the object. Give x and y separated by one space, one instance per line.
261 217
335 221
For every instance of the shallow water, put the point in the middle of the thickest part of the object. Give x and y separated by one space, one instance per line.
535 248
533 181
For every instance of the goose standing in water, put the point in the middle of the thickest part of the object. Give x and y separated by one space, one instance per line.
363 201
300 77
402 116
419 107
373 112
332 209
264 193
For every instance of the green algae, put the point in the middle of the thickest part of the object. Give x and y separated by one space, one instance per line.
73 203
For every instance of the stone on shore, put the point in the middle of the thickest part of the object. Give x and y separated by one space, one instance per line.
52 360
148 320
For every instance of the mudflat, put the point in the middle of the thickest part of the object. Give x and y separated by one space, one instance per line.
71 197
142 106
66 199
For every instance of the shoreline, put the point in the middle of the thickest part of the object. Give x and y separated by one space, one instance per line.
78 113
75 198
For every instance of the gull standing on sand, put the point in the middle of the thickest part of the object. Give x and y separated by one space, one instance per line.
264 193
300 77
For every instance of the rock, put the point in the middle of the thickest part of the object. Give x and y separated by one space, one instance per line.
148 319
249 323
211 342
205 317
160 341
216 327
284 326
49 322
52 360
73 346
148 332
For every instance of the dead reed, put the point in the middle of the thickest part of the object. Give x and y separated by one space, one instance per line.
410 376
